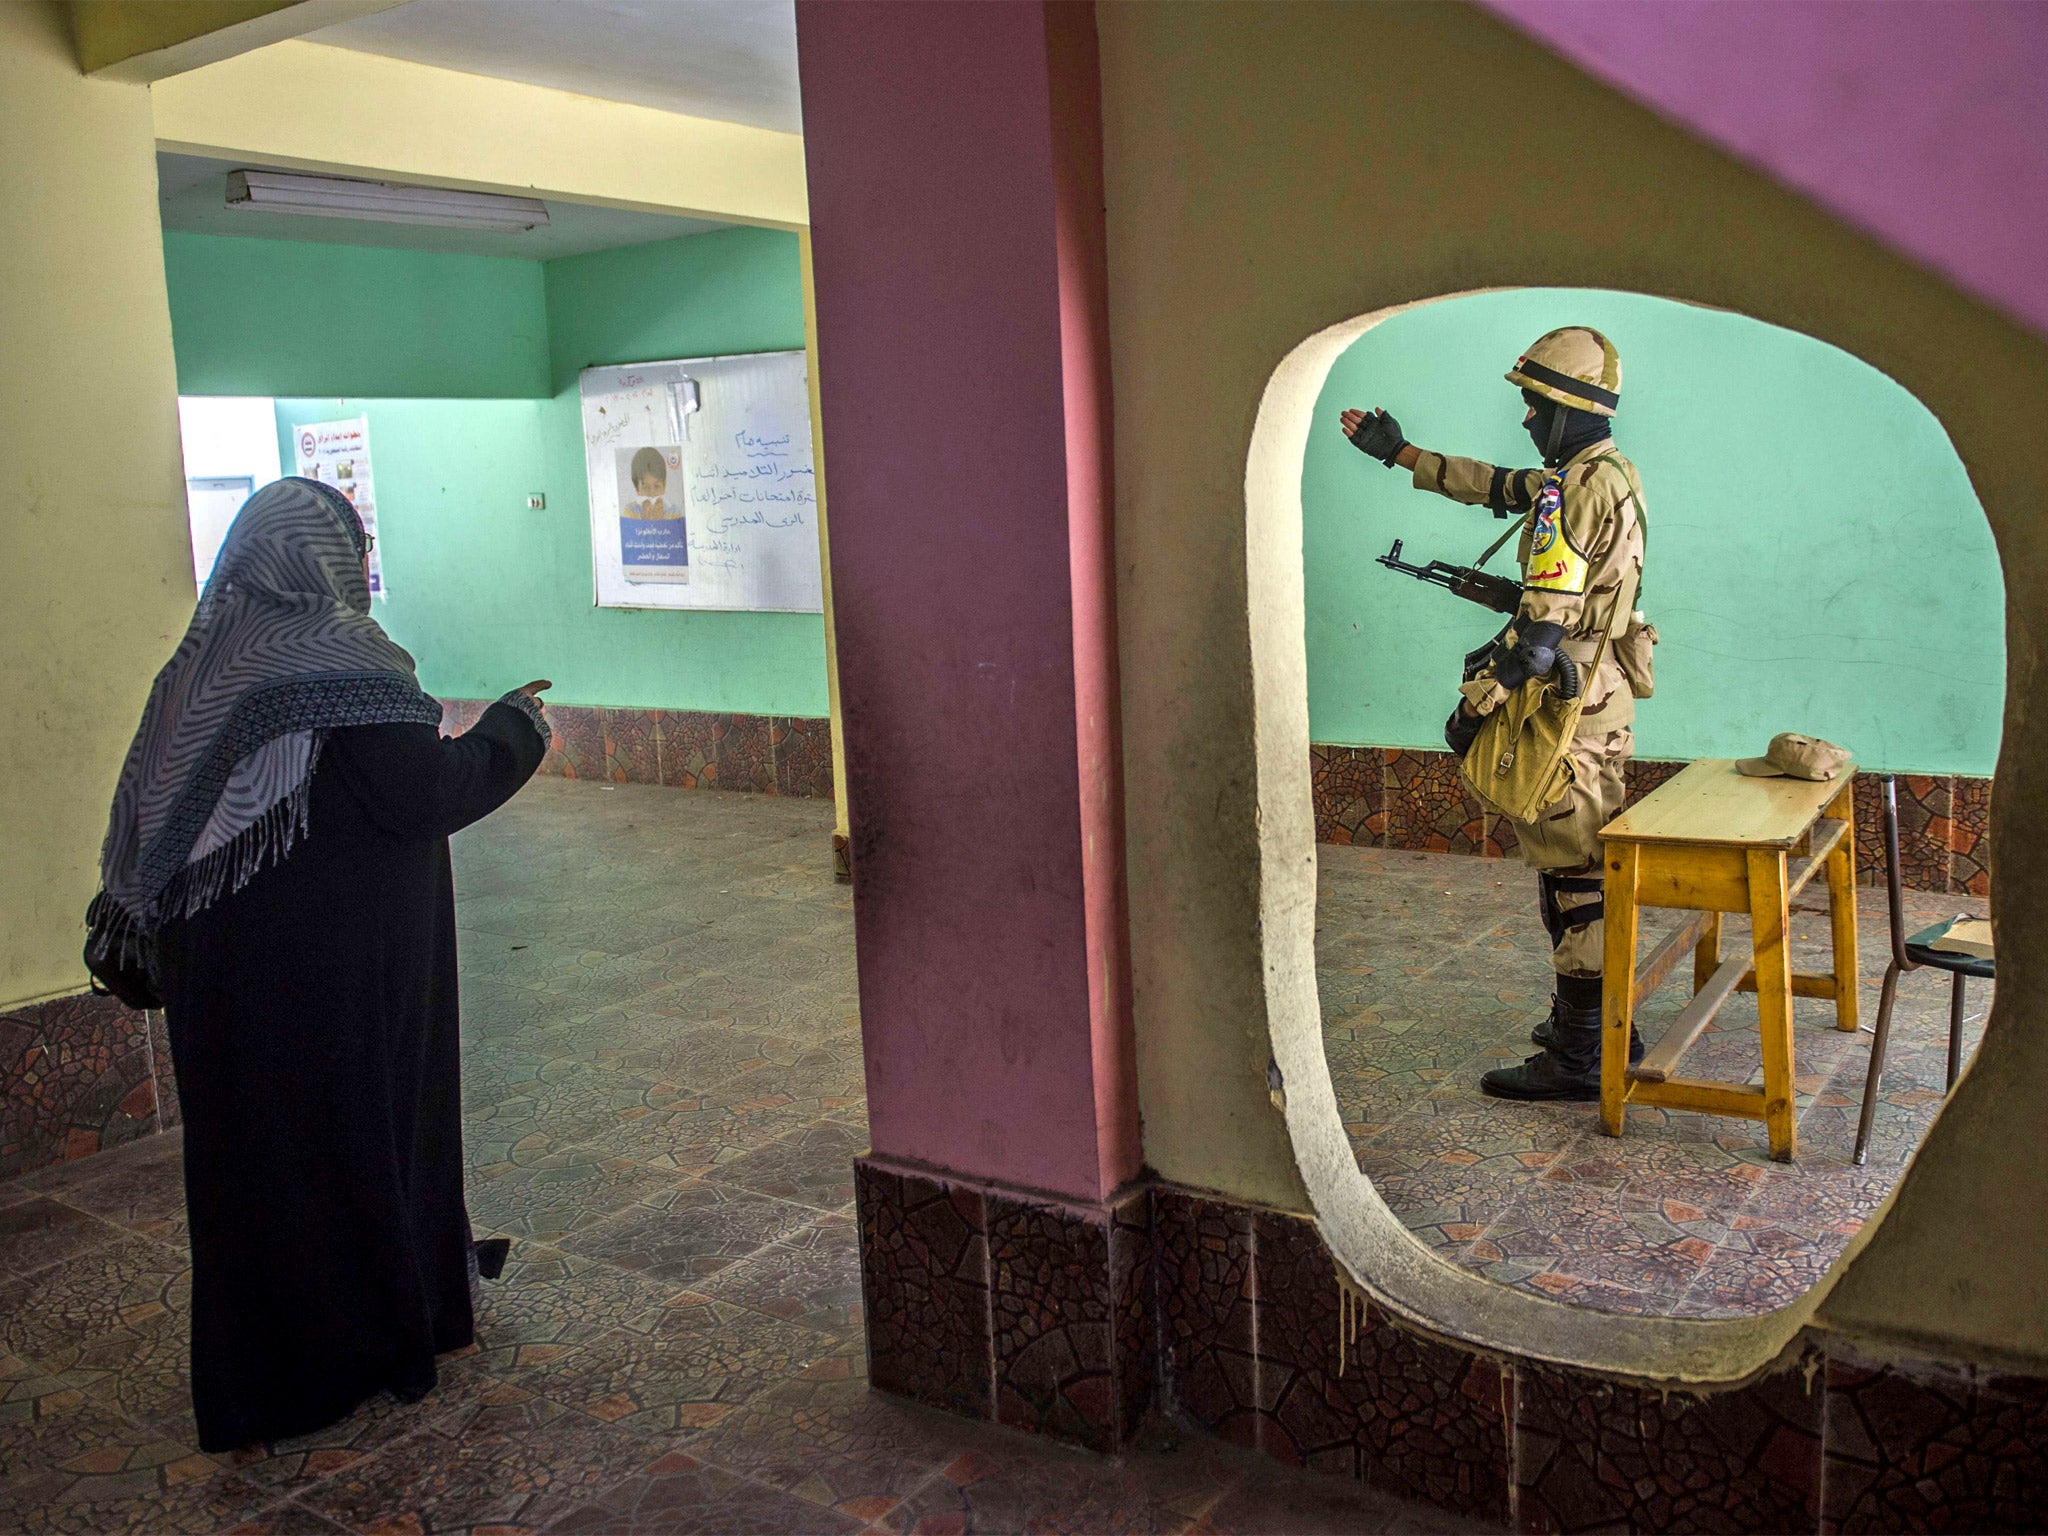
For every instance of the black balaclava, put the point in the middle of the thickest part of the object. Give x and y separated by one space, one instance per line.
1578 428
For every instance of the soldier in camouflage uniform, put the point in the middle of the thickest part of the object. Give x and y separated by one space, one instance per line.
1581 554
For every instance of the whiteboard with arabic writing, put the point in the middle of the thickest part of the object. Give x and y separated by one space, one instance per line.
702 491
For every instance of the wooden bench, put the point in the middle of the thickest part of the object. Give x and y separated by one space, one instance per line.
1712 841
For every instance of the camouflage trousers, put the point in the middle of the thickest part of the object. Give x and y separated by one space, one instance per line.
1563 846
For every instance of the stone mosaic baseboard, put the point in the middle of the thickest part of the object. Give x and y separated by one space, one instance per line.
1008 1308
1402 797
1075 1322
764 754
77 1075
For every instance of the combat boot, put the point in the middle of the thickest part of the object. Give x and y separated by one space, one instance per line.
1544 1033
1567 1069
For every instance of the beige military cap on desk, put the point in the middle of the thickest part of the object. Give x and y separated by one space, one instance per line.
1792 756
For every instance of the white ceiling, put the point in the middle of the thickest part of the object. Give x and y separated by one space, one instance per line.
192 195
734 60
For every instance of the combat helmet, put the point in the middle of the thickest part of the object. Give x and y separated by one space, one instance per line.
1574 365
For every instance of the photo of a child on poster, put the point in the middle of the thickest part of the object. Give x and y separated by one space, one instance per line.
654 532
701 487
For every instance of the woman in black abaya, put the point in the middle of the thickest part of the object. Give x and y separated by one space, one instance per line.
276 873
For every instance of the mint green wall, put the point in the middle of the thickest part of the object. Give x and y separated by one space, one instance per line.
485 593
735 290
488 595
284 317
1817 559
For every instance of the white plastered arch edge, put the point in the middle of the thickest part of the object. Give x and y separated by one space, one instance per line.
1380 1256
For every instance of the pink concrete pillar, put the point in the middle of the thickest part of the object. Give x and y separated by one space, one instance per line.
955 158
954 154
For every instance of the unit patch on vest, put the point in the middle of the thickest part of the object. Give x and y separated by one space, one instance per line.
1554 566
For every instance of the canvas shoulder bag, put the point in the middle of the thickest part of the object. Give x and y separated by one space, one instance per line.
1520 762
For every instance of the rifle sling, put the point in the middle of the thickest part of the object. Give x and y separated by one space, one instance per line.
1494 548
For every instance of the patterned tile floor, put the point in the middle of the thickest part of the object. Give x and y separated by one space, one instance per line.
1434 968
664 1098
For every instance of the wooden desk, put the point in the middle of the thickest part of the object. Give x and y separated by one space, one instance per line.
1712 841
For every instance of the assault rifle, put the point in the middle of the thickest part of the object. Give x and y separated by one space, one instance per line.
1468 582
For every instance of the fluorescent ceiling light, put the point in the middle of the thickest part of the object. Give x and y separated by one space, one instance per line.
337 197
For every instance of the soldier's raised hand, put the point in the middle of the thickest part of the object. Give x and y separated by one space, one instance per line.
1375 434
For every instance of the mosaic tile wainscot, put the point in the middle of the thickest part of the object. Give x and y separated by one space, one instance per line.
1076 1322
1412 798
679 748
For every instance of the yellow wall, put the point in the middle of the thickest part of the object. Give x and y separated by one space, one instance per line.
1274 170
314 107
110 32
92 525
149 39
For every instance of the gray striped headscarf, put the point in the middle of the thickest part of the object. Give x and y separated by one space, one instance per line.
281 649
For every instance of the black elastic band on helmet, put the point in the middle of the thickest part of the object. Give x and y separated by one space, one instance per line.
1571 386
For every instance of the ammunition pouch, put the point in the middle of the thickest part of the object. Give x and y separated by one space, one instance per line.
1632 650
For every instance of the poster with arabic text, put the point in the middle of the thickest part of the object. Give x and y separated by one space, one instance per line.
337 453
702 490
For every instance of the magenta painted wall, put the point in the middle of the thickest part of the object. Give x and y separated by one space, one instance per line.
975 693
1924 123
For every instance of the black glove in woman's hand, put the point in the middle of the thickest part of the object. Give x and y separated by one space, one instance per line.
1375 434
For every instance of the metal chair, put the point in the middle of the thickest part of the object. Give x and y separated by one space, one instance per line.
1910 954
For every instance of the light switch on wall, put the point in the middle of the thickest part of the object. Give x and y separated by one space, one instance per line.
536 503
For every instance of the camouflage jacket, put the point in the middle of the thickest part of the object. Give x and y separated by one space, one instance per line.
1581 553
